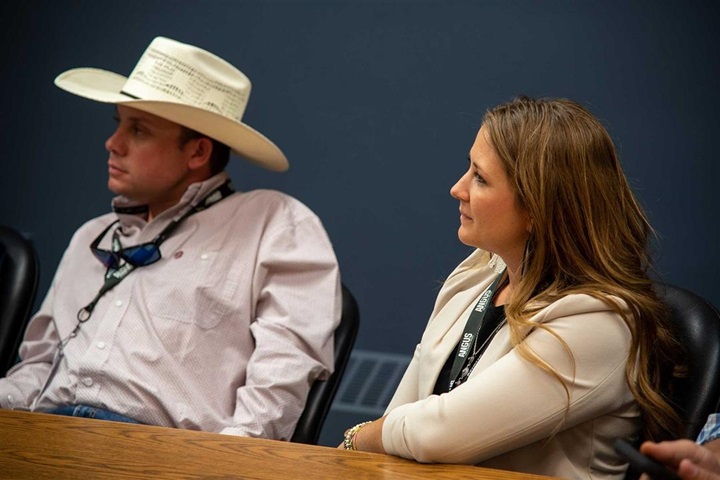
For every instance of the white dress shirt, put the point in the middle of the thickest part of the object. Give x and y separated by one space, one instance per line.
226 333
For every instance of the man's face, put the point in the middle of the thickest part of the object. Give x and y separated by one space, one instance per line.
146 162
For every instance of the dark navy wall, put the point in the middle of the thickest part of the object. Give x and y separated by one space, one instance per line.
376 104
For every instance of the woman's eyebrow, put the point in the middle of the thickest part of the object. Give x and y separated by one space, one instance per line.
475 165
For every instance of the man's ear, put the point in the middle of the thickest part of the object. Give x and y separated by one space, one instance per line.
201 148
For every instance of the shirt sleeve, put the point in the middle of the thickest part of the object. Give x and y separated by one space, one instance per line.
25 380
711 430
512 402
298 309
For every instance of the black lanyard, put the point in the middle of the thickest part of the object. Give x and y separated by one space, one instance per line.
472 327
113 276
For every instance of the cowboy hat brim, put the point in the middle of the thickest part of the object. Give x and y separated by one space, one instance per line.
106 87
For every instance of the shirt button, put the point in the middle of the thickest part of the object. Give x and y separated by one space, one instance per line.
87 381
11 399
118 303
101 345
204 256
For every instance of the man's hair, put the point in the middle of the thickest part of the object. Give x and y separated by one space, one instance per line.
220 154
589 235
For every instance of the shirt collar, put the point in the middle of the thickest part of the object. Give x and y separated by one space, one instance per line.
133 214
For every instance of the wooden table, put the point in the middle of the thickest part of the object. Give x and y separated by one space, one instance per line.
38 446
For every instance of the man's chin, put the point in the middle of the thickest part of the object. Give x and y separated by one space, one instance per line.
116 188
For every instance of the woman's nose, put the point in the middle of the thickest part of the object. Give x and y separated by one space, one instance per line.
459 190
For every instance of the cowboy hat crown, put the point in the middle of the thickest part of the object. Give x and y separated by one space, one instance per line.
186 85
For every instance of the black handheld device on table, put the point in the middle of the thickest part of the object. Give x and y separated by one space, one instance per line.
642 463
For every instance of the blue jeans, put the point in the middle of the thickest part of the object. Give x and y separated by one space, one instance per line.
90 412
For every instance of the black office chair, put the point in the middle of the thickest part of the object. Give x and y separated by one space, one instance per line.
19 274
323 392
696 324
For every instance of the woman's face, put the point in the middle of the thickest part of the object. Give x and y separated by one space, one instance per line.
490 218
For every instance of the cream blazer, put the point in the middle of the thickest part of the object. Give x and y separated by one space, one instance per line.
510 414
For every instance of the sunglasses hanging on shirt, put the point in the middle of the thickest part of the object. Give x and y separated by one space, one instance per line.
120 261
137 256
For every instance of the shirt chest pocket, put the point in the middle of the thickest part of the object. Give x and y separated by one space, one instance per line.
192 287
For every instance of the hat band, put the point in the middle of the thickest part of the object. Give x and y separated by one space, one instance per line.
123 92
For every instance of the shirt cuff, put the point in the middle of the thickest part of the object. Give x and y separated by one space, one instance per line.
11 398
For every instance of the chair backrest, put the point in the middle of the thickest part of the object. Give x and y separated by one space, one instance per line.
18 285
697 326
323 392
696 323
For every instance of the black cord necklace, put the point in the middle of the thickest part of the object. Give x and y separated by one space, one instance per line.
470 349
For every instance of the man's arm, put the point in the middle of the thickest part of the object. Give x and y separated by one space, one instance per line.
297 311
25 380
714 447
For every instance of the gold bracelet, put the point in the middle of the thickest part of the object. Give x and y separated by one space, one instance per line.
349 441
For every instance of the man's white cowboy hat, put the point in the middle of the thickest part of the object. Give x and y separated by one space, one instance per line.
188 86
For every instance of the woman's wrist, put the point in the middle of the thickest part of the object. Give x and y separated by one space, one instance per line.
351 434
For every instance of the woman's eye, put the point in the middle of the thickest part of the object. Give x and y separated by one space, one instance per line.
478 178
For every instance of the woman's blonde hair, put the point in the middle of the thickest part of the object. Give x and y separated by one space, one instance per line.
589 235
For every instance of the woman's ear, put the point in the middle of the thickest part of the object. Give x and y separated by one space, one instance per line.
528 223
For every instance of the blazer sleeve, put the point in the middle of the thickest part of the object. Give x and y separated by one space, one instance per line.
511 402
408 389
